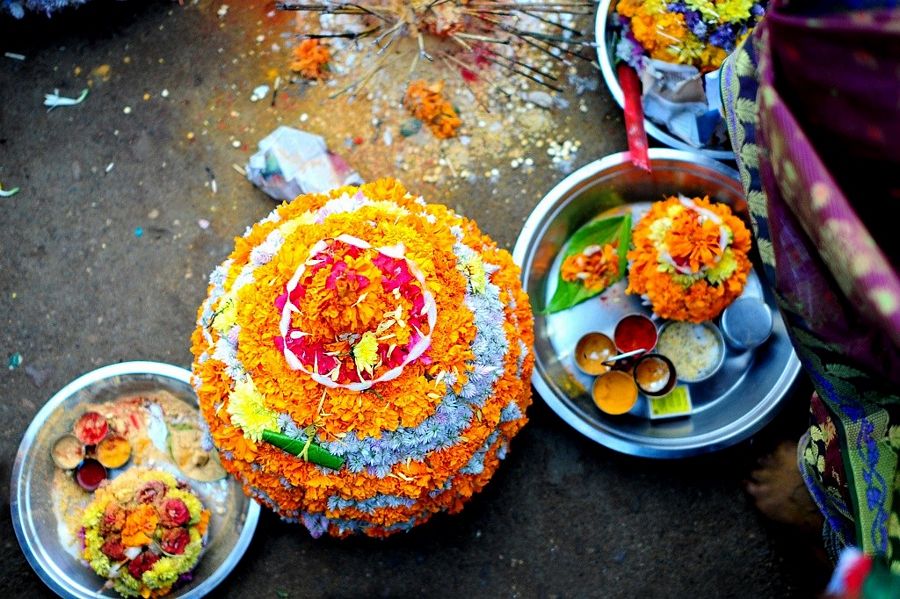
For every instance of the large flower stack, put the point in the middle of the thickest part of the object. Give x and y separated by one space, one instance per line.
363 360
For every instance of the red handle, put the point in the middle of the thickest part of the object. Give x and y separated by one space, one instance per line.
634 116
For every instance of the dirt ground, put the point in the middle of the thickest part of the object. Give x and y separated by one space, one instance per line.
105 256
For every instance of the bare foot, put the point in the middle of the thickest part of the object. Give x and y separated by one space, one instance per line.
780 493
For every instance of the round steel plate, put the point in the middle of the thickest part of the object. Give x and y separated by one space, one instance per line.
727 408
32 513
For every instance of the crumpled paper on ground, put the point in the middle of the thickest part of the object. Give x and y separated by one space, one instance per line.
291 162
674 95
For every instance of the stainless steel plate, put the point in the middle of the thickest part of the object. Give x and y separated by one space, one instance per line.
32 513
606 53
728 407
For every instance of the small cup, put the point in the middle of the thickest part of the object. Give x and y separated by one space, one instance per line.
113 451
67 452
91 428
614 392
697 350
591 351
90 474
654 374
746 323
635 331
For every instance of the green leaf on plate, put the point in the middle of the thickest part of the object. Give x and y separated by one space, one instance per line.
596 232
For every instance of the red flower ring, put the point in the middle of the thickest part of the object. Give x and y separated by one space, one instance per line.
330 360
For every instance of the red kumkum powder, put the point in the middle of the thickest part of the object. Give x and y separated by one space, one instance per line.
635 331
90 475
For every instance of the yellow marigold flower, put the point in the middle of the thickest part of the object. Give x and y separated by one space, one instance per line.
247 410
705 7
226 315
477 275
733 10
365 353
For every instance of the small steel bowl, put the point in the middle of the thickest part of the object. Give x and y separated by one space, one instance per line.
31 500
606 54
747 323
591 351
719 344
747 390
646 359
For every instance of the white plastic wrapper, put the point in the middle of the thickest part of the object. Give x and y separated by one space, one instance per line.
291 162
675 95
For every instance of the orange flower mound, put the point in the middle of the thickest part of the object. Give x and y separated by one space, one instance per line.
310 58
427 103
689 258
385 331
595 267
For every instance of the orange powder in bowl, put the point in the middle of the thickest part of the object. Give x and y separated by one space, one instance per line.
113 451
615 392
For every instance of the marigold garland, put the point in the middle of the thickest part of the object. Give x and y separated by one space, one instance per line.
144 531
689 258
390 333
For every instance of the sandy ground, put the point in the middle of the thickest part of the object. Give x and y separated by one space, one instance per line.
105 254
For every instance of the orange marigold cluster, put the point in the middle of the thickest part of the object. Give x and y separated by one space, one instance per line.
414 445
310 58
594 267
426 102
689 258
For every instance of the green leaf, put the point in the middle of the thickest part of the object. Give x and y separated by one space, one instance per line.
314 453
624 243
596 232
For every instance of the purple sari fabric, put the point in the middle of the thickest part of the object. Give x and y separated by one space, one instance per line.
830 125
813 109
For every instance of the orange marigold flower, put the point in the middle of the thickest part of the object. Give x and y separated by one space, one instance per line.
427 103
693 242
594 267
139 525
689 258
310 59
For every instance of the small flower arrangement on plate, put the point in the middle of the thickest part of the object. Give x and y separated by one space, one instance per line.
144 532
363 360
594 259
689 258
